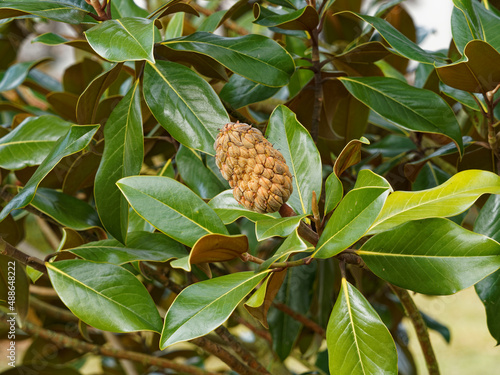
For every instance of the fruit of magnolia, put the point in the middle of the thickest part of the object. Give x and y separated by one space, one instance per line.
256 171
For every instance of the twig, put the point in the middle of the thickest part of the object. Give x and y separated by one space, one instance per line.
278 265
420 328
240 350
64 341
226 357
11 251
315 327
99 9
304 230
43 291
53 311
259 332
127 365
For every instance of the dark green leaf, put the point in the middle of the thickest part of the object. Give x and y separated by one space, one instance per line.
431 256
357 339
240 91
184 104
17 73
202 307
306 18
122 157
77 138
104 296
171 207
53 10
255 57
14 279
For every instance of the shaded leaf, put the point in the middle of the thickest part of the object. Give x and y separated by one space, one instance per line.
334 192
350 155
431 256
17 73
77 138
104 296
277 227
240 91
14 279
306 18
202 307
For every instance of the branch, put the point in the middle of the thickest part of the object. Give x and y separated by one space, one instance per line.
315 327
226 357
240 350
63 341
99 9
318 87
53 311
420 328
11 251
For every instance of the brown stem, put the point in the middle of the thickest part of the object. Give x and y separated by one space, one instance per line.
226 357
490 116
304 230
53 311
278 265
240 350
318 87
64 341
11 251
300 318
420 328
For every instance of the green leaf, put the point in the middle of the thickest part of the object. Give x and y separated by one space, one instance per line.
31 141
14 279
53 10
212 22
404 46
104 296
288 135
449 199
141 246
333 192
195 175
126 39
17 73
357 339
409 107
171 207
127 8
465 6
184 104
175 26
255 57
277 227
292 244
239 91
76 139
478 71
122 157
202 307
431 256
351 220
65 209
488 289
228 209
464 98
367 178
306 18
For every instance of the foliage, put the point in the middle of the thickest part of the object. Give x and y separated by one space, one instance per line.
116 162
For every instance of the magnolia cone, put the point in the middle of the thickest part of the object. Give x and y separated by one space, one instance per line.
256 171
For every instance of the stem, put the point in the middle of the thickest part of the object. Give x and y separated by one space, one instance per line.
318 87
279 266
304 230
64 341
420 328
240 350
127 365
226 357
53 311
315 327
11 251
99 9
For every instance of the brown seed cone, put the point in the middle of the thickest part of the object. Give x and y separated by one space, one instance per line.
256 171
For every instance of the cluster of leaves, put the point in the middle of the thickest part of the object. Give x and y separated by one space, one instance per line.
118 161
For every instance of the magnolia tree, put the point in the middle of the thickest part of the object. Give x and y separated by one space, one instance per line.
356 180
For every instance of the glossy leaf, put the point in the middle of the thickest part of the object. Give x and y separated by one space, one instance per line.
367 178
171 207
122 157
306 18
17 73
334 192
364 53
465 6
431 256
53 10
76 139
240 91
488 289
404 46
449 199
351 220
141 246
65 209
478 72
228 209
254 57
213 248
409 107
104 296
184 104
31 141
277 227
202 307
125 39
357 339
196 175
350 155
288 135
127 8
